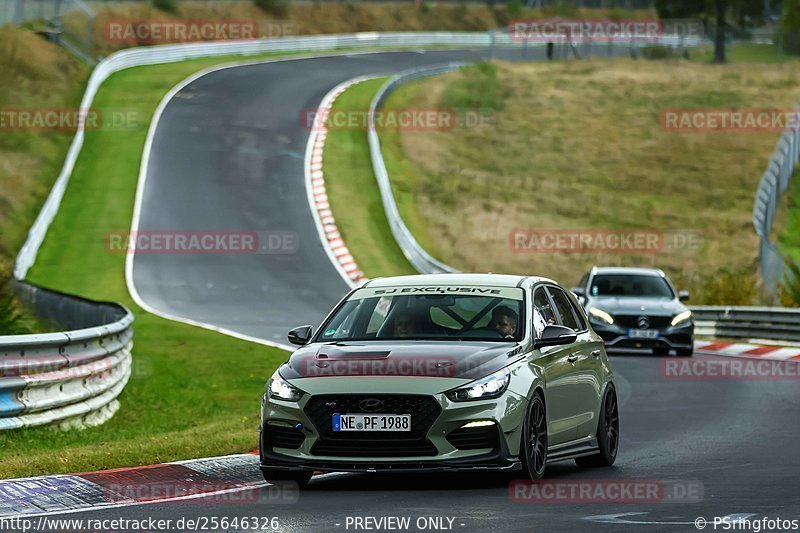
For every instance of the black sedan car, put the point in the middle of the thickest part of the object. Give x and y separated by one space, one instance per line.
637 309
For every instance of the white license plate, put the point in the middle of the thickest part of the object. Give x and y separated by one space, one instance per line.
643 333
365 422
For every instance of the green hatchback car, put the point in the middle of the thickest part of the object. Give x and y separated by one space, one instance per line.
442 372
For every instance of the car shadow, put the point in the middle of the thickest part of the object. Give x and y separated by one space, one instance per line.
431 481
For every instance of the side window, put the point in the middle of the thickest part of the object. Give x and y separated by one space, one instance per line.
564 308
578 315
583 281
542 304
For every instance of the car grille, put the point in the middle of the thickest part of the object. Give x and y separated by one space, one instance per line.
474 438
283 437
424 411
630 321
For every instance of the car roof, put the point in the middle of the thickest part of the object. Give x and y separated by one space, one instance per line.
629 270
489 280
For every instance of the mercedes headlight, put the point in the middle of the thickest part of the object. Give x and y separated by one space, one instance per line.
682 318
594 312
492 386
280 389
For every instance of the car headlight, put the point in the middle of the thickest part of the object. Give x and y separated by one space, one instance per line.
492 386
681 318
280 389
594 312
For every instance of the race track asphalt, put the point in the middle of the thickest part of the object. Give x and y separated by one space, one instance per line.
228 155
732 444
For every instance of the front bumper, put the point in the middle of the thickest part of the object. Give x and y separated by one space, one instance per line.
497 460
445 452
617 338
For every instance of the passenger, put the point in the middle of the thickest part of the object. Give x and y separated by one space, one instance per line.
504 320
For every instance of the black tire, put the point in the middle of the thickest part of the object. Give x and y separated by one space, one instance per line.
533 448
607 434
276 477
687 352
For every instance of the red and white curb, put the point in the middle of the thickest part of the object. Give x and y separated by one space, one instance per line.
318 196
233 478
747 351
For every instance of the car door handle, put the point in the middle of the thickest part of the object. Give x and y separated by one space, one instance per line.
596 353
572 358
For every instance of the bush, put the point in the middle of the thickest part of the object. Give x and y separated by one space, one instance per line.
791 16
790 289
168 6
12 320
563 8
619 13
515 9
274 7
657 52
729 288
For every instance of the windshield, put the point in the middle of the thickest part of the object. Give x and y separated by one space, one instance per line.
429 313
641 286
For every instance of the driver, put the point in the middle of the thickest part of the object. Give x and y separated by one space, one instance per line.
405 324
504 320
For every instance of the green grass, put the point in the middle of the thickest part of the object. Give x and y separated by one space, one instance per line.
354 195
193 392
765 54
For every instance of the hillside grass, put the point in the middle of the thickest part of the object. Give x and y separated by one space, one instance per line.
579 146
35 75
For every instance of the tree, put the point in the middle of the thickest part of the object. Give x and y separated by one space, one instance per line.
744 12
790 25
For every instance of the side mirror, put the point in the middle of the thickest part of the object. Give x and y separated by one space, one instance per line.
555 336
683 296
578 291
300 335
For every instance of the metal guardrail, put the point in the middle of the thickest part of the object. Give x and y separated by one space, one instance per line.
773 183
415 254
71 377
771 323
